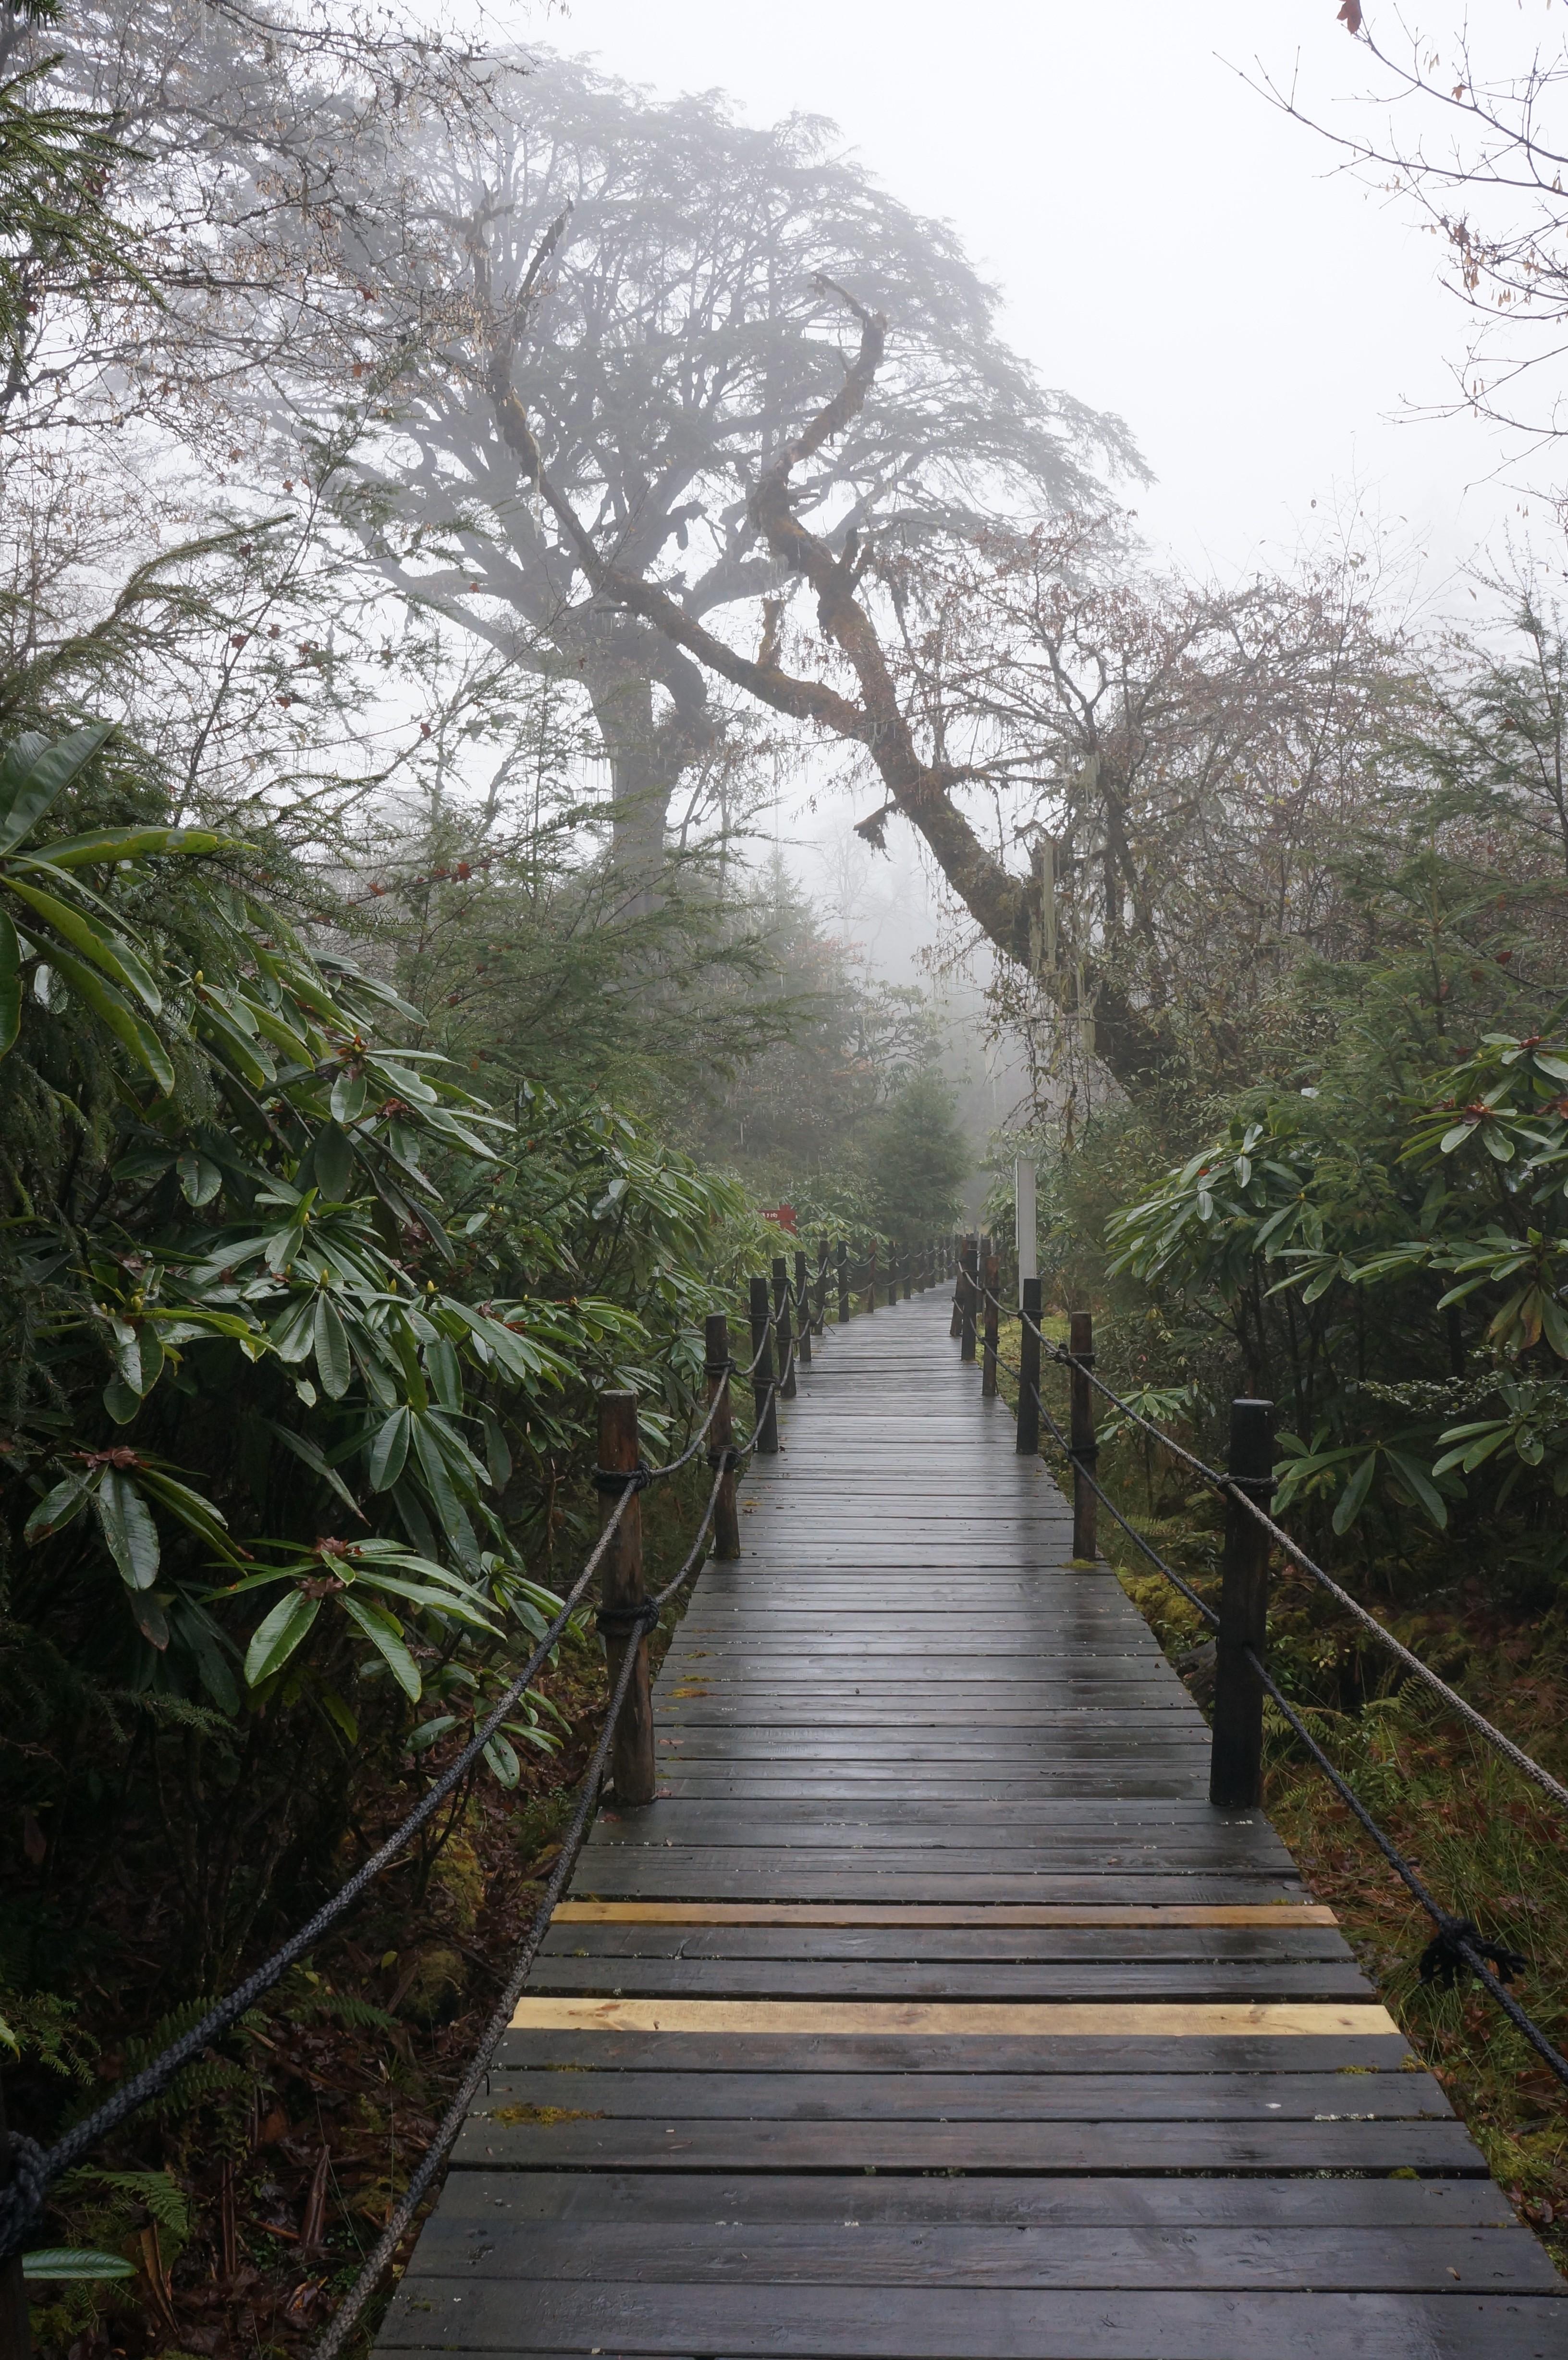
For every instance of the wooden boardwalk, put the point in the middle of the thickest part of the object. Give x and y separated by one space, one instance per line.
932 2010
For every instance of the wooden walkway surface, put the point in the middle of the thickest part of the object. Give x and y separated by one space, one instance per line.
933 2010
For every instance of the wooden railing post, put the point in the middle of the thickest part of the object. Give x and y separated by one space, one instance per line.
16 2328
622 1594
1236 1754
968 1296
1084 1447
991 1271
909 1256
763 1398
721 1437
894 1259
822 1287
871 1278
782 1328
957 1326
842 1267
1029 1374
802 1309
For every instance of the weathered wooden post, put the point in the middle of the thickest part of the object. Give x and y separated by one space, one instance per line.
802 1308
721 1437
909 1257
968 1296
1236 1753
1084 1450
957 1326
782 1328
843 1264
764 1395
621 1597
990 1280
1028 1372
822 1287
871 1278
894 1258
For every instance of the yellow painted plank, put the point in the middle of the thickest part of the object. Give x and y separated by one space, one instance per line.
821 1913
1198 2020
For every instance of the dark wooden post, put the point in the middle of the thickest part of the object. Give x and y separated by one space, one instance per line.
871 1278
764 1395
16 2328
909 1281
782 1328
1028 1372
621 1593
957 1326
1084 1448
968 1296
843 1266
991 1279
802 1309
894 1259
821 1288
721 1437
1236 1754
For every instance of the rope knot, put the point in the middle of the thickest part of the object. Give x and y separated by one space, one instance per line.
1444 1961
724 1459
628 1621
615 1480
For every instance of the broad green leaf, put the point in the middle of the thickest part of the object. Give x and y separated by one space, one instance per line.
1353 1498
117 1014
134 844
503 1760
54 1513
331 1337
1455 1138
384 1634
75 2262
121 1401
388 1451
304 1449
497 1457
445 1375
1422 1484
428 1731
1553 1325
34 774
338 1711
129 1529
200 1179
279 1634
433 1467
10 984
347 1101
332 1157
116 958
1556 1067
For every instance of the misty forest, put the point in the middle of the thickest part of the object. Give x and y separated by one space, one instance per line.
458 509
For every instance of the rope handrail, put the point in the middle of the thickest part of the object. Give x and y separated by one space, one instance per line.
1502 1743
1457 1939
1457 1943
34 2168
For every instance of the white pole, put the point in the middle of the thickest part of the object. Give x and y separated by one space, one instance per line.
1024 1221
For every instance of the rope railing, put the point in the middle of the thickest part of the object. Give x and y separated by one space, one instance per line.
33 2169
27 2170
1242 1676
1227 1487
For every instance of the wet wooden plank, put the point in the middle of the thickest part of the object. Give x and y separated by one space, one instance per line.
930 2009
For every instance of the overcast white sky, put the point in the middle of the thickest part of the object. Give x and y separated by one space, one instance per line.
1168 246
